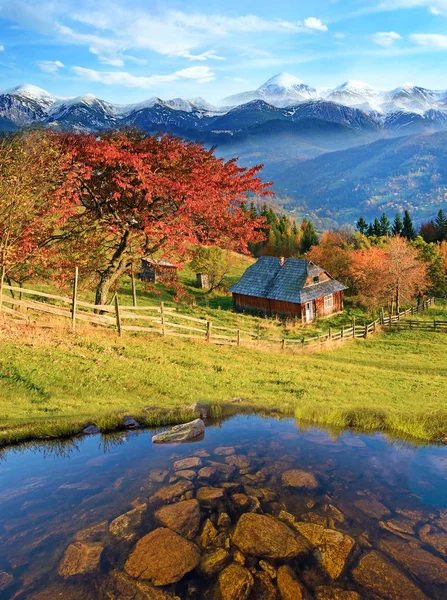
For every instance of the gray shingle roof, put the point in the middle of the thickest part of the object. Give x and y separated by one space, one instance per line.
268 279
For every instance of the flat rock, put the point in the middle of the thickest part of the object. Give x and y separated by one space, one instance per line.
122 587
186 474
224 450
324 592
91 430
95 533
181 517
289 586
434 538
125 525
130 423
187 463
263 588
5 580
208 495
297 478
158 475
208 535
235 583
163 557
237 460
180 433
200 408
264 536
268 568
419 562
379 575
206 472
169 492
332 547
80 558
213 562
373 508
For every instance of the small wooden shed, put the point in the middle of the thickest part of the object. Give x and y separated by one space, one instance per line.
288 287
157 270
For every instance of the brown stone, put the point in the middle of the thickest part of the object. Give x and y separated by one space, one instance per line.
206 472
263 588
289 586
122 587
125 525
214 562
181 433
419 562
324 592
333 547
187 463
235 583
158 475
266 537
242 501
163 557
80 558
299 479
169 492
95 533
238 557
268 568
208 535
5 580
224 450
186 474
237 460
222 467
208 495
379 575
373 508
61 590
181 517
223 521
434 538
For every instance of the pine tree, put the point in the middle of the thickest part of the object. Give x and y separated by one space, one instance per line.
408 229
385 225
310 236
441 226
362 225
397 225
377 228
370 230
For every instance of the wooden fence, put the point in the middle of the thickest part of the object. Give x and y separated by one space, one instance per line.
414 310
167 321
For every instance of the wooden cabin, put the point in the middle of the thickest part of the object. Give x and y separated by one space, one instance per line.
157 270
288 287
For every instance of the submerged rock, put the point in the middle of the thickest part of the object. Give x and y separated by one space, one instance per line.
373 508
169 492
379 575
214 562
208 535
5 580
163 557
224 450
299 479
180 433
122 587
91 430
181 517
264 536
125 525
289 586
130 423
263 588
158 475
95 533
80 558
235 583
419 562
236 460
324 592
434 538
208 495
187 463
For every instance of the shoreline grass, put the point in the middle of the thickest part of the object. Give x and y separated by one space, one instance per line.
53 383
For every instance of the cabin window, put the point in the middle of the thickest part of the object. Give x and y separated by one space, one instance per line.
328 301
316 279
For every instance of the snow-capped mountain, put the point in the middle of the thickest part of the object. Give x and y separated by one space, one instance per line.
280 91
25 104
357 94
84 113
411 98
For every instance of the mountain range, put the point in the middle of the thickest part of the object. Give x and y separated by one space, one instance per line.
281 124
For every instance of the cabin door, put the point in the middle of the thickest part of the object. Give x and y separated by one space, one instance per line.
309 312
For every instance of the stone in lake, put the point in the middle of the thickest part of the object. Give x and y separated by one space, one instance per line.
289 586
379 575
299 479
236 460
163 557
181 517
187 463
419 562
91 430
235 583
130 423
125 525
200 408
180 433
208 495
122 587
324 592
332 547
169 492
373 508
264 536
224 450
186 474
158 475
5 580
206 472
214 562
208 535
434 538
268 568
263 588
95 533
80 558
223 521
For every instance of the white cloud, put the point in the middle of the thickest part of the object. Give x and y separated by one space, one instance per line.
200 74
314 23
386 39
339 36
2 48
430 40
209 54
436 7
50 66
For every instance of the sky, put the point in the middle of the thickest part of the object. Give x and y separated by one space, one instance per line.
129 50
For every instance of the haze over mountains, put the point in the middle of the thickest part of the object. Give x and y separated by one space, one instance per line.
282 123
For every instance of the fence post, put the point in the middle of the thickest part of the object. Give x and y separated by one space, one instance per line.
382 316
117 315
208 331
330 333
342 332
238 337
134 289
162 319
2 283
366 330
73 301
283 344
353 327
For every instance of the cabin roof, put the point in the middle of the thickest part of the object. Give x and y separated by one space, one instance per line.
270 279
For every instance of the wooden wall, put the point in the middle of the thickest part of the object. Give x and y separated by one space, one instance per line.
337 305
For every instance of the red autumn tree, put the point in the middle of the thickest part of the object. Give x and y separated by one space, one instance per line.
145 194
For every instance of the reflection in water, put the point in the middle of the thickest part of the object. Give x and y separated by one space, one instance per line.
256 510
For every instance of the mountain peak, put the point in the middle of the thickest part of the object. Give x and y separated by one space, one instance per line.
31 92
353 84
284 80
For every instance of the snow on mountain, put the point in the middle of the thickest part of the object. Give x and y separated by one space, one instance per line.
356 93
84 113
25 104
32 92
412 98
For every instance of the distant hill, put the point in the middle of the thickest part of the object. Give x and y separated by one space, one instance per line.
387 175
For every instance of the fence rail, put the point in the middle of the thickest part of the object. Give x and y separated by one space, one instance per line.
169 322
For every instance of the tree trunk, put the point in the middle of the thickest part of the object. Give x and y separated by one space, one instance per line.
397 299
117 267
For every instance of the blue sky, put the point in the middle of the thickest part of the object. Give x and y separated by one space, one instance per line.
127 51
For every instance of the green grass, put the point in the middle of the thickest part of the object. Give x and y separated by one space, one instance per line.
53 383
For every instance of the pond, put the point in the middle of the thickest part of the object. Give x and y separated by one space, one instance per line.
259 509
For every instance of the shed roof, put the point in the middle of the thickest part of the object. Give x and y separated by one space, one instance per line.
267 278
